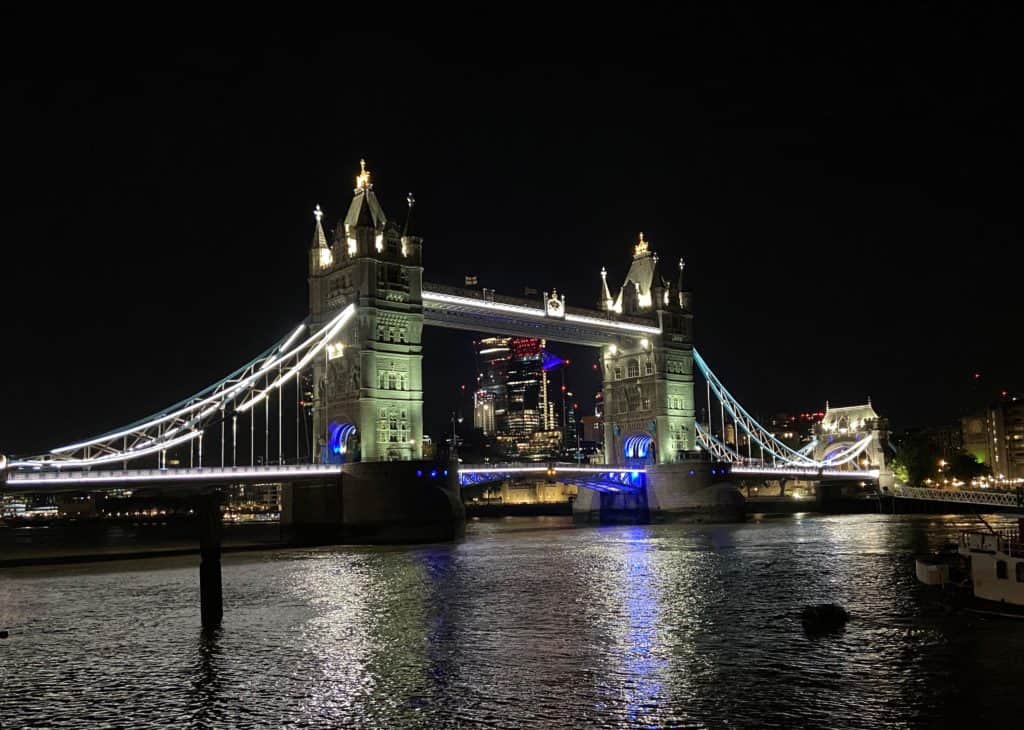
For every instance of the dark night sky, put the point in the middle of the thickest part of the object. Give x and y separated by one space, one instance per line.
845 191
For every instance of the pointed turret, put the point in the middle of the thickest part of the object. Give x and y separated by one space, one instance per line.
641 277
364 210
606 303
408 216
321 252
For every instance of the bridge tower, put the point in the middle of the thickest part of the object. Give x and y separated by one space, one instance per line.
648 382
368 387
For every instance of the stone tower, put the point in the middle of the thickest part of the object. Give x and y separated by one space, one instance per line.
368 403
648 382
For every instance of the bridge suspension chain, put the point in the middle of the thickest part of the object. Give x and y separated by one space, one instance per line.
762 436
781 453
185 421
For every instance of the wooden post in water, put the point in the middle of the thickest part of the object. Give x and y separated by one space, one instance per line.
210 595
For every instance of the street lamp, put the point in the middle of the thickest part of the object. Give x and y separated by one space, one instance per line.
455 451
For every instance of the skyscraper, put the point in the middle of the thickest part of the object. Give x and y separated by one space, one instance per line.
490 401
525 377
511 401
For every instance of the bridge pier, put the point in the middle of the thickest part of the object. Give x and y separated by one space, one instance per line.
693 490
210 589
611 508
376 502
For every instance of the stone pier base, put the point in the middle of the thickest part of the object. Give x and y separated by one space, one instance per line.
376 503
692 491
689 491
601 508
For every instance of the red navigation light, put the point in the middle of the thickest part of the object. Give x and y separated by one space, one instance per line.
563 388
977 376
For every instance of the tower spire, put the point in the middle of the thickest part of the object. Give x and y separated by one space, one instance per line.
408 216
607 303
364 210
363 178
641 247
321 251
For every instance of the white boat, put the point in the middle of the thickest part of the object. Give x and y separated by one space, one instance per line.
996 566
983 571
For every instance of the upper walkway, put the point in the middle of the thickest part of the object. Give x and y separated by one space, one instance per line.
487 311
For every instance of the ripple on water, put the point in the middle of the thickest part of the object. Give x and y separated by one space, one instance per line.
667 625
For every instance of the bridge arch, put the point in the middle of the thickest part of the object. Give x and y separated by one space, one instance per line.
639 447
342 443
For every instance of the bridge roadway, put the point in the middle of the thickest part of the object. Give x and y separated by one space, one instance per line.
801 472
601 477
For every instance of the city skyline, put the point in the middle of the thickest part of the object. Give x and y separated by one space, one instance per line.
170 250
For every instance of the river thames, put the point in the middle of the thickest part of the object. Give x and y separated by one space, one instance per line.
527 622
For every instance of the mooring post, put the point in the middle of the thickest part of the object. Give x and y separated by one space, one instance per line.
210 596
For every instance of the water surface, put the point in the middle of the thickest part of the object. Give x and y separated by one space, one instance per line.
525 623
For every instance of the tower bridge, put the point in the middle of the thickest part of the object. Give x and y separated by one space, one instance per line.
358 357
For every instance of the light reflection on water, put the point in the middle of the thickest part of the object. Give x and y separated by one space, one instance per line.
525 623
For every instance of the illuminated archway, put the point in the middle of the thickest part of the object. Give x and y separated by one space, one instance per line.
638 446
341 443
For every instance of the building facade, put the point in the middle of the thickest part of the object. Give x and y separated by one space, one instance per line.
842 430
368 402
995 436
648 382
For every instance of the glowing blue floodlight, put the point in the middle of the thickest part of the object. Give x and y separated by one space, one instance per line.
550 361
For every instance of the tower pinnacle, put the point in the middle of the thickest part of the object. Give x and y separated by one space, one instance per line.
641 247
321 251
607 303
363 178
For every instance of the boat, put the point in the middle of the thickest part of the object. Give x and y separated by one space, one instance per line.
985 573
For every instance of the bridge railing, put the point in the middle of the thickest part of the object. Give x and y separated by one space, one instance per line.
993 498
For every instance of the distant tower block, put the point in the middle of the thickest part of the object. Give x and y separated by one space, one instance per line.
368 386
